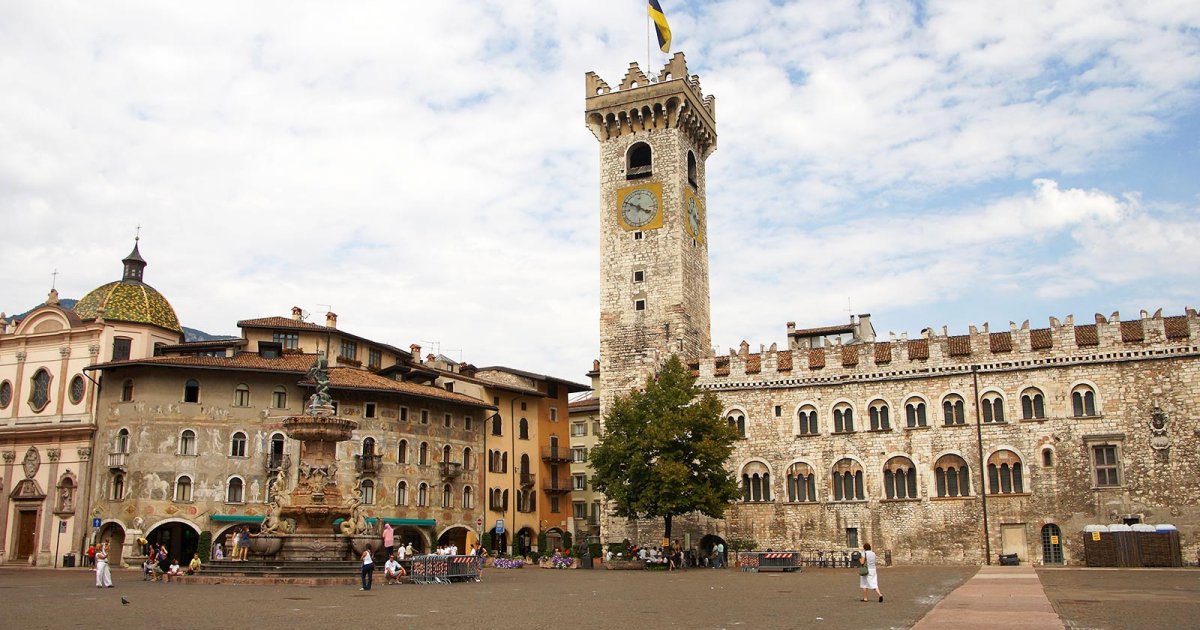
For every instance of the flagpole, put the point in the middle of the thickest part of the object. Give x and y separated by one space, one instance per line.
647 41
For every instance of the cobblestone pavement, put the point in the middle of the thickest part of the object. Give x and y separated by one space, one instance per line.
1124 598
524 598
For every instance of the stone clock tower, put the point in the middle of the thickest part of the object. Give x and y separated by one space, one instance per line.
654 138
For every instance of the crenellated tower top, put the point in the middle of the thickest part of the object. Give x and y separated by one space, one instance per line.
672 100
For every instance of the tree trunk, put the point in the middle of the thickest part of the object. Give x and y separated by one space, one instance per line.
667 520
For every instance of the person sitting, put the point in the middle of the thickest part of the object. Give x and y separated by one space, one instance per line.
194 565
172 570
392 570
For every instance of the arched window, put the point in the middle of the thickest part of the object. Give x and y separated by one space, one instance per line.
993 408
402 493
237 447
801 483
368 447
691 168
843 418
423 454
953 410
191 391
422 495
118 487
523 431
187 442
368 491
899 479
127 390
737 421
402 452
914 413
1005 474
848 481
468 464
1083 401
807 421
496 424
39 395
880 421
524 470
446 453
1033 404
468 501
504 462
504 500
241 395
447 498
277 445
122 444
952 476
279 397
639 161
76 390
234 490
1047 457
183 489
756 482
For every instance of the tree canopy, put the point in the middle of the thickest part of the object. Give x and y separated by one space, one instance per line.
664 449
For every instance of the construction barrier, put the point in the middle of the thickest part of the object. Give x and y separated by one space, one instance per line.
770 561
444 569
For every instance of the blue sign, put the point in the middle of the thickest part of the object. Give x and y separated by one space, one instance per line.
95 522
499 526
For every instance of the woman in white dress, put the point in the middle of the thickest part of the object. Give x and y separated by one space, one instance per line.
103 575
871 579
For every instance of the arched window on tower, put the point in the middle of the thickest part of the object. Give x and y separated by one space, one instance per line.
692 169
638 161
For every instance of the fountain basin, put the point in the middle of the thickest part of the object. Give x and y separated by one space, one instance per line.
319 428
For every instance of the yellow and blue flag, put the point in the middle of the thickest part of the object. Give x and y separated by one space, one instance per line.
660 25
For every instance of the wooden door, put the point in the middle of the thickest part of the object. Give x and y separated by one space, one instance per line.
26 534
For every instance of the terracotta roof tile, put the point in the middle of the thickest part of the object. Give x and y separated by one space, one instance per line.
296 363
1040 339
280 322
351 378
754 364
1086 335
959 345
883 352
1133 331
849 356
1176 327
721 366
584 404
816 358
785 361
1000 342
823 330
918 349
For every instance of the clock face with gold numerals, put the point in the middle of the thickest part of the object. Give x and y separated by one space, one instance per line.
639 207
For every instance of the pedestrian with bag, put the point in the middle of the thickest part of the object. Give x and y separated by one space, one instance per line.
103 575
868 577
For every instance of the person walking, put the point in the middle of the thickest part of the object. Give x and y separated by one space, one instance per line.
103 575
869 579
720 559
368 570
389 539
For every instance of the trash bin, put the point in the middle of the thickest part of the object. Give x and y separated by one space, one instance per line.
68 560
1009 560
585 560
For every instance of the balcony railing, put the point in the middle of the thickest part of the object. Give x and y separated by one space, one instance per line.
556 454
368 464
450 470
118 460
557 486
528 480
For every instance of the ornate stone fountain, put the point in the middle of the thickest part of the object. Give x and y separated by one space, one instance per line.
300 525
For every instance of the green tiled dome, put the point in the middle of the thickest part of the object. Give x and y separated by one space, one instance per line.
129 299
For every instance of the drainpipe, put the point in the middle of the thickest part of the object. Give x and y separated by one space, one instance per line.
512 434
987 541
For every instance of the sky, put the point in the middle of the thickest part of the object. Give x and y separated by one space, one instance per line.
423 169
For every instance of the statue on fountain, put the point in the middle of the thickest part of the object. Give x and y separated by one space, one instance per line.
273 522
356 524
320 403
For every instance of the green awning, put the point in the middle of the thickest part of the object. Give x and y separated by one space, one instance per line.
414 522
235 518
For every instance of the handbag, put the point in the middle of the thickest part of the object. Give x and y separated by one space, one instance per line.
863 570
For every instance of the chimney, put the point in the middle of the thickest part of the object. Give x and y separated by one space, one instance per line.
297 313
864 331
415 349
331 320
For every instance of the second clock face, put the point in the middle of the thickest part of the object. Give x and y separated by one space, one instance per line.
639 207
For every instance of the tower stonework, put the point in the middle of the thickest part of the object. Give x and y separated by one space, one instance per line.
655 136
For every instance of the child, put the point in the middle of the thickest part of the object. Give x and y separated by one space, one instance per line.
172 570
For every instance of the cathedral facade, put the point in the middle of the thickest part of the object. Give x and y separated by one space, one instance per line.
937 449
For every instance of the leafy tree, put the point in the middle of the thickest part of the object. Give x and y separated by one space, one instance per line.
664 449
